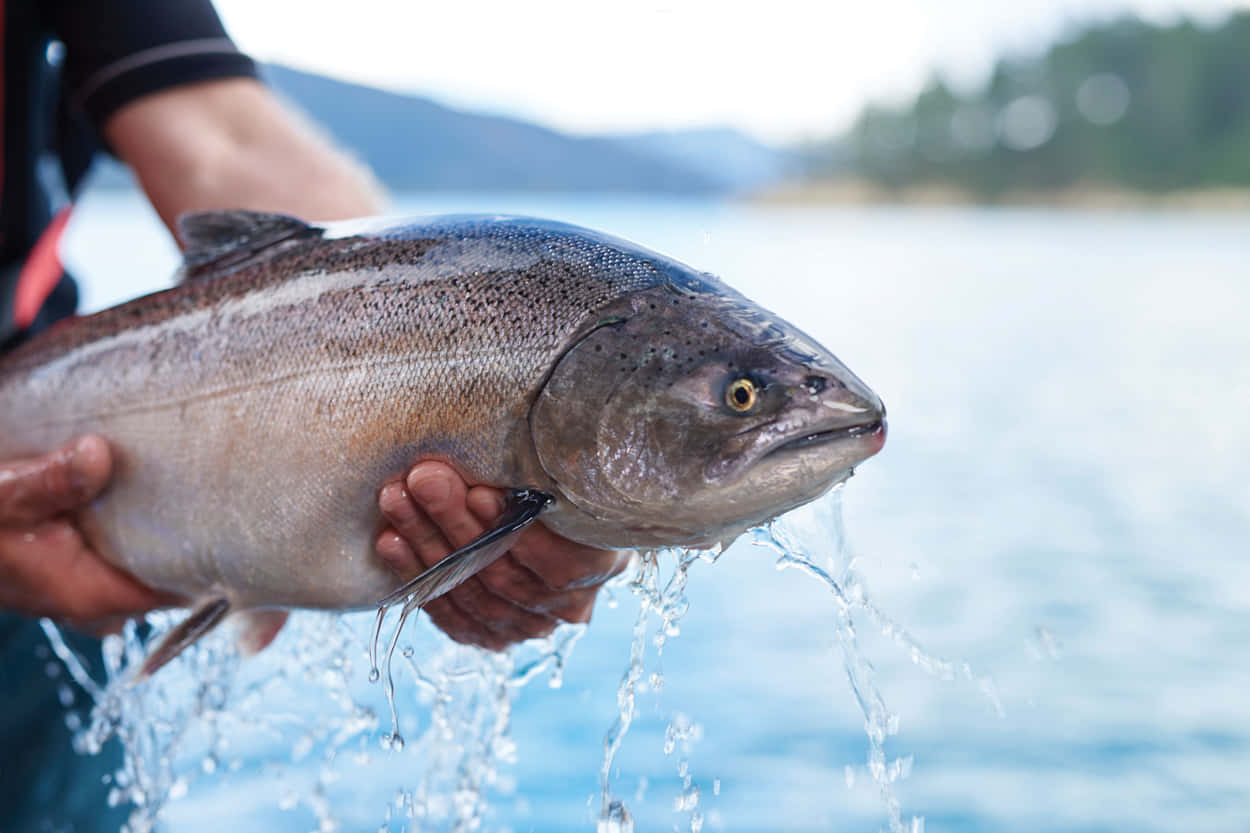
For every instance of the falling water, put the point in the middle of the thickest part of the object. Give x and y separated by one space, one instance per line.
800 540
307 719
667 600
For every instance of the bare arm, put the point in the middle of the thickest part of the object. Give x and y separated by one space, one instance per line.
232 144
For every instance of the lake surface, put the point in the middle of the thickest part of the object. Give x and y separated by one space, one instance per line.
1063 503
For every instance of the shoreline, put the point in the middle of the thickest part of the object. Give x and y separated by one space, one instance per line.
859 192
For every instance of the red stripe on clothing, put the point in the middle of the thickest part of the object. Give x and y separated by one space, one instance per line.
40 273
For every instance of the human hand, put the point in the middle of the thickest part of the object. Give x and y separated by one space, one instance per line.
47 568
543 580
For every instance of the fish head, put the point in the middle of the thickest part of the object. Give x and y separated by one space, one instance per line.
687 414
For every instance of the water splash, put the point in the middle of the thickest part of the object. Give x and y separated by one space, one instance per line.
304 719
825 529
668 601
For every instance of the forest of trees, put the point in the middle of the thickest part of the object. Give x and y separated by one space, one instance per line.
1125 104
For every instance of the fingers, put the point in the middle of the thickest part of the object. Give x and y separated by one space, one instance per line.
432 514
46 567
544 572
561 564
49 570
441 495
39 488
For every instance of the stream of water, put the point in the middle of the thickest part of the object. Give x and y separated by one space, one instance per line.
293 715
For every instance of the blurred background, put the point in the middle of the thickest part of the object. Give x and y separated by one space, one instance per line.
1048 101
1021 223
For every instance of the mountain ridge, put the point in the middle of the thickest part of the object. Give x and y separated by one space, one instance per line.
413 142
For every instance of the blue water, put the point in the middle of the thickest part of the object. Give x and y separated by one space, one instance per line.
1063 502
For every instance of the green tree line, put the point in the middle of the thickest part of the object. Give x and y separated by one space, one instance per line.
1125 104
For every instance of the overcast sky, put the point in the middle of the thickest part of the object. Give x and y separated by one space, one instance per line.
780 69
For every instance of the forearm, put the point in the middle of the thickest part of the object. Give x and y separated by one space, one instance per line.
232 144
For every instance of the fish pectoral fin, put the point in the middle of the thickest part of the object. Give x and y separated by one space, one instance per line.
257 628
204 618
523 507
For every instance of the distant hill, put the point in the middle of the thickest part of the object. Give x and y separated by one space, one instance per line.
728 157
414 143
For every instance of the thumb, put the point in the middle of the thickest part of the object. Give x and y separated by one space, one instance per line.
37 488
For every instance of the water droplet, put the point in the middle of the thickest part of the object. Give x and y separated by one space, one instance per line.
615 819
178 789
1046 646
641 792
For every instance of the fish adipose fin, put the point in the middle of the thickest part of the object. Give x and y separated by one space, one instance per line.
522 509
203 619
217 240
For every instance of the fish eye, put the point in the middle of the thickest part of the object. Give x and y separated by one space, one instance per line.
741 395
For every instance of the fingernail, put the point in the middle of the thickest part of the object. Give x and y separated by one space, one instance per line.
392 497
430 489
78 475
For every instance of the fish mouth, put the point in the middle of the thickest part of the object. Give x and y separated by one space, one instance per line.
874 430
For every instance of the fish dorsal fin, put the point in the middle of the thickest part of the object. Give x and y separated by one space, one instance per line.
229 238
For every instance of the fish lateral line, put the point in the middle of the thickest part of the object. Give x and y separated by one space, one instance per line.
229 391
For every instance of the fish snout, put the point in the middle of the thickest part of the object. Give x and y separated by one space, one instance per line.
841 400
838 405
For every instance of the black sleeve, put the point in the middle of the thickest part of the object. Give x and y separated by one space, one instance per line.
119 50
